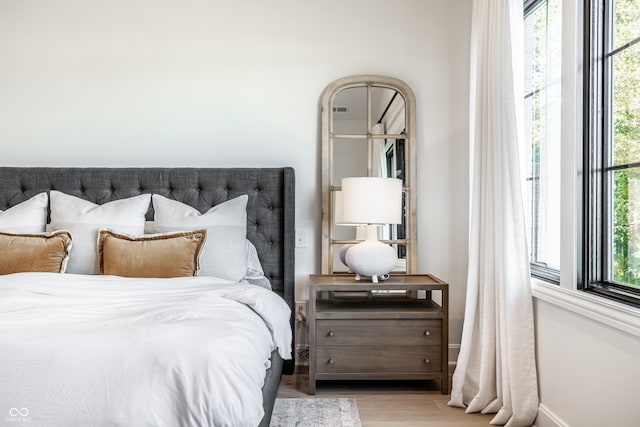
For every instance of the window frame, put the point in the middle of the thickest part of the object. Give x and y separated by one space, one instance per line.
606 312
596 234
538 270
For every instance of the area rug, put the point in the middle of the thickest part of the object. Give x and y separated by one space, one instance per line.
321 412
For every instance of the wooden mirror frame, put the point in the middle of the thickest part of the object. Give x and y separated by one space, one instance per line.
368 81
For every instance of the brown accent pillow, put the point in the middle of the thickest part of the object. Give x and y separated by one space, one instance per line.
156 255
40 252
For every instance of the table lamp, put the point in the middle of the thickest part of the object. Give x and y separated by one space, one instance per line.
371 201
361 230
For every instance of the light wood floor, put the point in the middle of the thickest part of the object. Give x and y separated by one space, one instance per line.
388 404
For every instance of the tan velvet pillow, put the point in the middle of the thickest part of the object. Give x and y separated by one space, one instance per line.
40 252
156 255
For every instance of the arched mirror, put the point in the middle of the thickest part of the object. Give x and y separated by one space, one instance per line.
368 129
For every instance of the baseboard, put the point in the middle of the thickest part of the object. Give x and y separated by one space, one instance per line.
454 351
546 418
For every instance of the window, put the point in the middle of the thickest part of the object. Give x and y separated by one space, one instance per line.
542 101
611 256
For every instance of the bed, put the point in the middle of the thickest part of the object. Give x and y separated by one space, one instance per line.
269 227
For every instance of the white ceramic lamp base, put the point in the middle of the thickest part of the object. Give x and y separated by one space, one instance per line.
361 234
371 257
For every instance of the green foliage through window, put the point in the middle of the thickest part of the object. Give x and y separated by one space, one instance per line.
624 155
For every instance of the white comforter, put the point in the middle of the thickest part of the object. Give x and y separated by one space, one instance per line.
101 350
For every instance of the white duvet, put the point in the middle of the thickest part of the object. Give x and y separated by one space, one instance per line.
108 351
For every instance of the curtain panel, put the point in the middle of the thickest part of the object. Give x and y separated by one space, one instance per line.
496 370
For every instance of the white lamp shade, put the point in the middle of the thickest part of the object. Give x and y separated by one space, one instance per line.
371 200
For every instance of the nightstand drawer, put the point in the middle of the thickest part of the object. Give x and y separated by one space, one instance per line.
356 332
380 359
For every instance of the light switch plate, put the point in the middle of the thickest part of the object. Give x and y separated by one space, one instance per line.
301 238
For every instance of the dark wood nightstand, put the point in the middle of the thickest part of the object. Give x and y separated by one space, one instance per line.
392 330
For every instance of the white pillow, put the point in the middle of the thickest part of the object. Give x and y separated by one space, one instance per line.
84 218
255 273
254 267
29 216
223 254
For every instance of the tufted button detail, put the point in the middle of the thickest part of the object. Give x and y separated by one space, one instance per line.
270 242
270 207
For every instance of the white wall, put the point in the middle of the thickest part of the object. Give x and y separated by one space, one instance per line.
588 372
237 83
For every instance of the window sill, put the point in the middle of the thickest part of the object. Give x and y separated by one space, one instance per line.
611 313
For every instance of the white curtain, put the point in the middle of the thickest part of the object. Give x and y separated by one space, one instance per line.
496 370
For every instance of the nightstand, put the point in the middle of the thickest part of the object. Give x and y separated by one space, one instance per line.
392 330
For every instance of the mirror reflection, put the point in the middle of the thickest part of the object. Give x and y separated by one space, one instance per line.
368 124
349 110
349 159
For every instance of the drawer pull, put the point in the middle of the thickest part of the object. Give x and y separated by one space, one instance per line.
427 361
330 361
330 334
427 333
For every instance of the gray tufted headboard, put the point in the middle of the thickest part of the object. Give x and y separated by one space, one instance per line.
270 209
